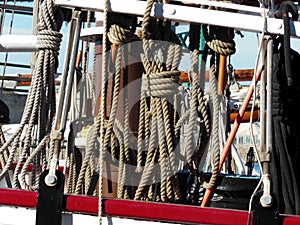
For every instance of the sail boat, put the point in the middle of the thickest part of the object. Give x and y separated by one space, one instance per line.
138 140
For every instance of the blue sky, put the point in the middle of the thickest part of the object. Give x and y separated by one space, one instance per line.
22 24
244 58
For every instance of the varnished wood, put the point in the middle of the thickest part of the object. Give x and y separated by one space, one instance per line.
240 75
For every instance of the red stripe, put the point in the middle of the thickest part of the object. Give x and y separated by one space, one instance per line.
140 210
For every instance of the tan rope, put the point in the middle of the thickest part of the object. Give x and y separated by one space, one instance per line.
159 85
40 103
150 159
101 115
220 39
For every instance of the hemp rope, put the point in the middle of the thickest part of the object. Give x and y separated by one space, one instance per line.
99 123
40 103
159 83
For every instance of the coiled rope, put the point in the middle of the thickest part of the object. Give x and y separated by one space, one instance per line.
39 109
156 128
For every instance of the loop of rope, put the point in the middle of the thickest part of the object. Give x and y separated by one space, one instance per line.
40 107
220 39
156 128
119 35
47 39
159 85
224 48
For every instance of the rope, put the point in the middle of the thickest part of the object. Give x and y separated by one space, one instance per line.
99 122
215 131
190 141
220 39
39 108
156 128
150 158
119 35
48 39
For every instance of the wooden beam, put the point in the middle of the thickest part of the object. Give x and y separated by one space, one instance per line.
240 75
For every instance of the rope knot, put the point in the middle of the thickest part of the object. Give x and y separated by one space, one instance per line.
142 34
49 39
220 40
161 84
56 135
119 35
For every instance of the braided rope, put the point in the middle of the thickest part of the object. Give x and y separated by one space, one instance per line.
159 83
24 169
119 35
220 39
99 123
120 190
40 104
165 174
146 20
150 158
72 173
87 161
48 39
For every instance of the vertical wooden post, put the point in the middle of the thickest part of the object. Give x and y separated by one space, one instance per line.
221 74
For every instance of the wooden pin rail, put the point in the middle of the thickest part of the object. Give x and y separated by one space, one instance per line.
240 75
22 80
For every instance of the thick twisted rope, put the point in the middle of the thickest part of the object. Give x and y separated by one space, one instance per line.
148 170
220 39
119 35
49 39
40 103
159 85
99 123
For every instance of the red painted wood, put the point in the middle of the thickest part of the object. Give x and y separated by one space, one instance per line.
290 220
19 198
139 210
174 213
81 204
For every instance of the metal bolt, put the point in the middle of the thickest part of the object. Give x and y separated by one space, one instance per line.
266 200
50 180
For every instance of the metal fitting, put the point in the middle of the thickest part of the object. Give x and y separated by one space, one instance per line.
51 180
266 199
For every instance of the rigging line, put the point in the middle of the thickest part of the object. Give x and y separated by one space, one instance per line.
254 94
102 107
251 130
233 131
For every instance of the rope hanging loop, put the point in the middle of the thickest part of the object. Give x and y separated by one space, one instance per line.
49 39
161 84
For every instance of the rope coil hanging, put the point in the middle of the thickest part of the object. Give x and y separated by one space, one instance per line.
156 129
39 108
